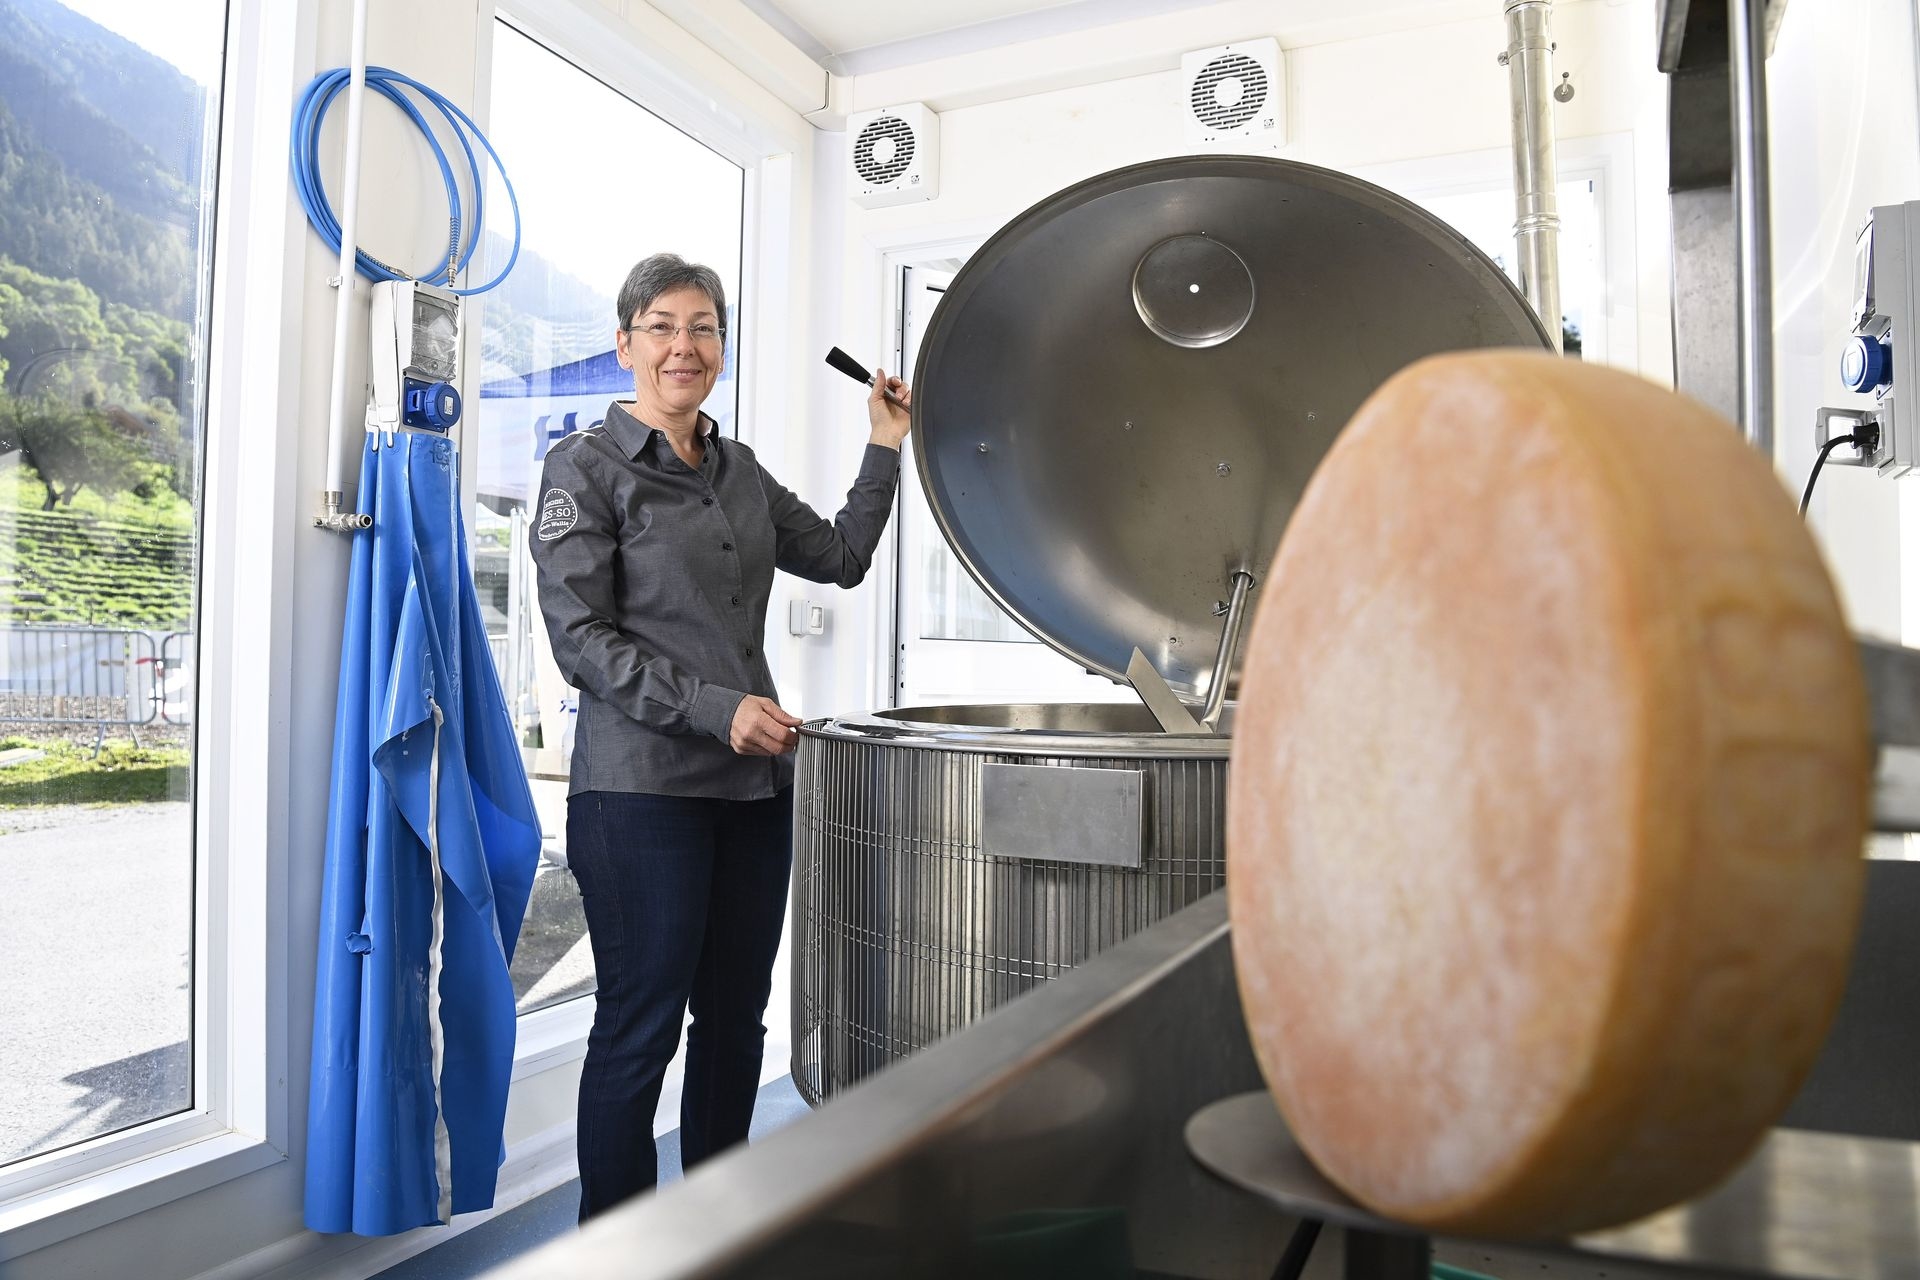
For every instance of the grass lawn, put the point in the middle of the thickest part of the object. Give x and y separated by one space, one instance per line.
70 774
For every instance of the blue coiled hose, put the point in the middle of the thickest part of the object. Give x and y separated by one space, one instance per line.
311 111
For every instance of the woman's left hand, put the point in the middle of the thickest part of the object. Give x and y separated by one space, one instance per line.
890 421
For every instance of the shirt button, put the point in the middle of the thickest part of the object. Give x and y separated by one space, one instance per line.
736 599
706 502
726 546
746 651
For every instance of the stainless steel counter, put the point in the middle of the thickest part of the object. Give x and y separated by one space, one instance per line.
1059 1120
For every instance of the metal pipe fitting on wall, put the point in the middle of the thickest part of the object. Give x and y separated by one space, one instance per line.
1536 228
333 497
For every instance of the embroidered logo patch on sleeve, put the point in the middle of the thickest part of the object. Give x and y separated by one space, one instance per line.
558 511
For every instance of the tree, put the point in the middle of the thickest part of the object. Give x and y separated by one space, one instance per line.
60 343
73 445
1570 338
47 325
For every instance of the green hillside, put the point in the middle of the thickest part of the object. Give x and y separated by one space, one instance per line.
84 194
161 110
131 564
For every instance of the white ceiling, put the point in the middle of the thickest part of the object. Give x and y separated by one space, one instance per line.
860 37
855 37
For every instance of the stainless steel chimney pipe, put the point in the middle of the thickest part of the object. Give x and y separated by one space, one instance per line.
1747 55
1536 228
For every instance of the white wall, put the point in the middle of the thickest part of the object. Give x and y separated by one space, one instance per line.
1357 102
820 675
1844 138
251 1225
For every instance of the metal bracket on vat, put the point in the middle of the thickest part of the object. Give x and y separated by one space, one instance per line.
1171 713
1059 814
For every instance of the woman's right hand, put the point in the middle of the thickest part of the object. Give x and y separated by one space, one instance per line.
761 728
890 418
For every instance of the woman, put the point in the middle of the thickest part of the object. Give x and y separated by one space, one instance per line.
655 544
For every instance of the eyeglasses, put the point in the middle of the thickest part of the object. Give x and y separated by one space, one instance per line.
661 331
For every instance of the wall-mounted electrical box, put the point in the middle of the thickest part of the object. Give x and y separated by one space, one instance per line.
1881 348
415 334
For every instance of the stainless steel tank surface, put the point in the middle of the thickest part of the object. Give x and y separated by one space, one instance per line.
1122 394
1117 405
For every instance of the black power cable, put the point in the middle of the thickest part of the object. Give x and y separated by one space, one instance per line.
1821 461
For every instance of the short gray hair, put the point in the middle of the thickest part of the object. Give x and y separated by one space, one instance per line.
662 273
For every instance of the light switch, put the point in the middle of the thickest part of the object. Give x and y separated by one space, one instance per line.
805 618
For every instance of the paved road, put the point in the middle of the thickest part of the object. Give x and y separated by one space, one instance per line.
96 911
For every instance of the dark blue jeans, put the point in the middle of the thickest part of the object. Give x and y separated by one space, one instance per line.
684 901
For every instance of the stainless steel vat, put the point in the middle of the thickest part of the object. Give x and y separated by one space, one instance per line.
912 916
1118 402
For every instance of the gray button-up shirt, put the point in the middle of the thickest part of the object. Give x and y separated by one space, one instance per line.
654 579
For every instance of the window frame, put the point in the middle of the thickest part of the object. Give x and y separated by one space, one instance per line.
610 50
879 275
237 1121
255 506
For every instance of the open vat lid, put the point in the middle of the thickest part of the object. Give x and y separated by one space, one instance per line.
1122 394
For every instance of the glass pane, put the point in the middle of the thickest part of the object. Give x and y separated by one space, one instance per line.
106 113
546 339
952 605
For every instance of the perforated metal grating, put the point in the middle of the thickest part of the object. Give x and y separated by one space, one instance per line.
905 931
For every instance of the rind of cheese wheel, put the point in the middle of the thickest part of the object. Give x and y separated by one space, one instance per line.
1547 800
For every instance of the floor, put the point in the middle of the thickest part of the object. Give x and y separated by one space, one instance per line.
525 1228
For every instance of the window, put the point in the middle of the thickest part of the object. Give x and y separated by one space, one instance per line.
1486 218
1473 192
602 183
107 109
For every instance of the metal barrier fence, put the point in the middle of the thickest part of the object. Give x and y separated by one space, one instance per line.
95 676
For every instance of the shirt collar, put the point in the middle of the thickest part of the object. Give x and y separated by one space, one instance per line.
636 438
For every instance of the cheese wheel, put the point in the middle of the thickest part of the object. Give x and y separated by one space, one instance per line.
1548 793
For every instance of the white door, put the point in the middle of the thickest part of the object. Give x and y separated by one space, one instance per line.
953 643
